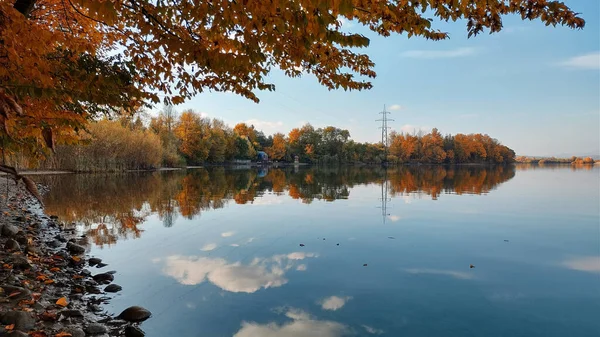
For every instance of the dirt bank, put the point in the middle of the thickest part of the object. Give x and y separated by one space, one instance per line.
49 286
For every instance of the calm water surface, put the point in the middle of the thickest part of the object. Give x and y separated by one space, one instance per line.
217 252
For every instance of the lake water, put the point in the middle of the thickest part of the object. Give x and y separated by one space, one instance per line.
347 252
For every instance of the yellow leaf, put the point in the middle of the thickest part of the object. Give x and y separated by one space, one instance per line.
63 334
62 302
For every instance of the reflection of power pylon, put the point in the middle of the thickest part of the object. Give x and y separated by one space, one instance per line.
384 197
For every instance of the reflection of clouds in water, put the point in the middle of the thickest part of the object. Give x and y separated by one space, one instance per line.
394 217
590 264
334 302
372 330
267 200
227 234
234 277
456 274
208 247
302 325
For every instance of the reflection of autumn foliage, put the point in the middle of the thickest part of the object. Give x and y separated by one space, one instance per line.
436 180
111 207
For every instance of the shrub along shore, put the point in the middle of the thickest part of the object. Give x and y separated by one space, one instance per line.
45 273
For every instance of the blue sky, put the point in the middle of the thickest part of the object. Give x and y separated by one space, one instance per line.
534 88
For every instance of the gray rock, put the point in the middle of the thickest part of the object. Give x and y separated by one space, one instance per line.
71 313
95 329
9 230
21 238
20 262
12 245
8 289
75 248
54 243
135 314
75 331
22 320
103 278
113 288
86 273
94 261
134 331
101 265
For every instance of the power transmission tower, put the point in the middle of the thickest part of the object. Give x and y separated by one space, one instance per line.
384 197
384 130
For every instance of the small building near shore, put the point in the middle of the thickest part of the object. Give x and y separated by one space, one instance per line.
262 156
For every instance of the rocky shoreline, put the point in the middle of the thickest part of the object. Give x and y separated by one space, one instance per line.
47 286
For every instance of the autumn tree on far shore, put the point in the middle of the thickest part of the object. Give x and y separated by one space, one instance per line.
63 63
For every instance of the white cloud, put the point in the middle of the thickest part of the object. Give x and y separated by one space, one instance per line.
267 200
410 129
586 61
438 54
302 325
227 234
395 107
333 302
234 277
208 247
372 330
234 245
451 273
301 267
345 22
590 264
266 126
394 217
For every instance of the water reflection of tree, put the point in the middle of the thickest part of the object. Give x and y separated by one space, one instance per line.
111 207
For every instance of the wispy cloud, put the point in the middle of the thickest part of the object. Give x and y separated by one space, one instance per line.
372 330
439 54
227 234
408 128
586 61
265 125
452 273
394 217
209 247
395 107
302 325
334 303
590 264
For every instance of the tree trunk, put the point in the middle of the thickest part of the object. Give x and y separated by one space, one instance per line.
24 6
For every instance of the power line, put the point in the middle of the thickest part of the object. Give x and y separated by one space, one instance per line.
384 130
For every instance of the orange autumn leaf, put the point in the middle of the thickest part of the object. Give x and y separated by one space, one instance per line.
48 281
14 293
38 334
62 302
36 296
55 269
9 327
63 334
48 316
76 258
41 277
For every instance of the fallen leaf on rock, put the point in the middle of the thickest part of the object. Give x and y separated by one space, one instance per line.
48 281
55 269
36 296
76 258
63 334
62 302
14 293
48 316
9 327
38 334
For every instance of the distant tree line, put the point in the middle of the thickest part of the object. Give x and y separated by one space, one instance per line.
174 140
553 160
